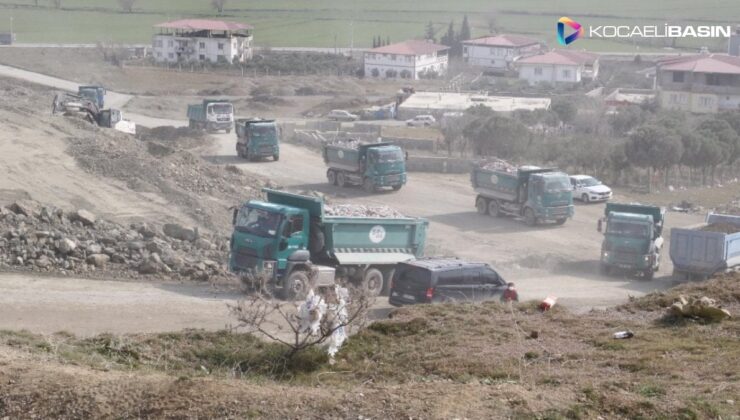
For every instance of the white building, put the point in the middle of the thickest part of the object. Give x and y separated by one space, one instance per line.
408 60
558 66
202 40
441 103
497 52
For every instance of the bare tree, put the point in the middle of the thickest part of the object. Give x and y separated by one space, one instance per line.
127 5
299 328
218 5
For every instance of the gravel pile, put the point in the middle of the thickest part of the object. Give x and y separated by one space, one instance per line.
357 210
498 165
346 143
46 239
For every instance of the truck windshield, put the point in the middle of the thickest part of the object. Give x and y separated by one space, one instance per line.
553 185
262 131
258 222
388 156
220 108
636 230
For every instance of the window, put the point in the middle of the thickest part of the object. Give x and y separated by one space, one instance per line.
294 225
221 46
566 74
491 277
393 57
706 101
159 55
201 57
678 77
158 43
171 55
450 278
170 43
465 50
538 71
202 45
492 51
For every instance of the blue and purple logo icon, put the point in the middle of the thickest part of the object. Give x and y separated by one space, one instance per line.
579 31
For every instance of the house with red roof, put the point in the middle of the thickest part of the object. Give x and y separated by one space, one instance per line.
558 66
705 83
413 59
202 40
496 53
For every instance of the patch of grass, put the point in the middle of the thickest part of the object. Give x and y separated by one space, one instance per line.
651 390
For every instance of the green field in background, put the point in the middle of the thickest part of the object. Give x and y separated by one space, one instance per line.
330 23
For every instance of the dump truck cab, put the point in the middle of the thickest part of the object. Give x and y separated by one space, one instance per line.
632 238
212 115
371 165
384 164
257 139
96 94
549 195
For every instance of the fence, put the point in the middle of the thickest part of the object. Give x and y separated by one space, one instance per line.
240 72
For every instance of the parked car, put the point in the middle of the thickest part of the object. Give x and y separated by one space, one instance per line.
432 280
342 115
421 121
587 189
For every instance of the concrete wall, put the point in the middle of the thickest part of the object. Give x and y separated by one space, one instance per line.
439 164
549 73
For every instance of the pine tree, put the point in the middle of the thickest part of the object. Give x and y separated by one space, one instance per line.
375 43
388 41
430 32
465 29
449 38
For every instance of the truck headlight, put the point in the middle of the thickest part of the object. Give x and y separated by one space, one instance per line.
605 254
647 258
268 267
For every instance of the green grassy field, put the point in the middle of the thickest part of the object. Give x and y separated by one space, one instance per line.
329 23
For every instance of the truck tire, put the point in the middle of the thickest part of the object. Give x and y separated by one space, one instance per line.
191 124
481 206
561 221
679 275
397 187
529 217
368 185
584 198
493 208
276 157
605 269
228 131
648 274
331 176
372 282
341 179
296 285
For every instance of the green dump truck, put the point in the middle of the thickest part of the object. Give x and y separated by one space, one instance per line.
211 115
371 165
257 139
633 238
538 195
96 94
290 241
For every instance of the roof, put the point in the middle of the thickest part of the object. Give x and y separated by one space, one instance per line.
711 63
438 264
561 57
411 47
502 40
204 25
428 102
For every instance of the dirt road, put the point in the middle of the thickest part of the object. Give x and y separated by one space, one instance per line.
557 260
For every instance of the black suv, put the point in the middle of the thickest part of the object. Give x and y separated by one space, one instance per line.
444 280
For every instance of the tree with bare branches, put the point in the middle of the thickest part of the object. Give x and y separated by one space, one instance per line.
127 5
218 5
327 316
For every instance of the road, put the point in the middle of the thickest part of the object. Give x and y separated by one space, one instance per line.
551 260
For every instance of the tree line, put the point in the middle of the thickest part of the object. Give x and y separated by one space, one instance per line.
451 38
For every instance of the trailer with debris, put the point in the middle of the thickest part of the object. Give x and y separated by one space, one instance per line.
371 165
702 250
292 242
257 139
211 115
537 194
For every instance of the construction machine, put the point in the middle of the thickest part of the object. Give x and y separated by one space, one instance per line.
82 107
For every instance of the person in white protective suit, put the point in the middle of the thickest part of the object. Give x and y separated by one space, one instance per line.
311 313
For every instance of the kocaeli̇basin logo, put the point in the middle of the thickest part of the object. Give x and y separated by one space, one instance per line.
574 25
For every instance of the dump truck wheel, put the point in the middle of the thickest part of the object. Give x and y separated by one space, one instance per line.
296 285
529 217
560 221
341 179
679 275
605 269
648 275
331 176
368 185
397 187
584 198
276 157
493 208
481 206
228 131
372 281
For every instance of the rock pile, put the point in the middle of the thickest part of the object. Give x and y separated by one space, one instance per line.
499 165
45 238
356 210
703 307
346 143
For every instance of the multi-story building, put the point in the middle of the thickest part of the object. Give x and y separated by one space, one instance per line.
412 59
558 66
202 40
705 83
497 52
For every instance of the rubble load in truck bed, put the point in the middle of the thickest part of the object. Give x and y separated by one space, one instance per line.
47 239
346 143
498 165
356 210
727 228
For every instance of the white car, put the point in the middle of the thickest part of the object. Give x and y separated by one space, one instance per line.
341 115
587 189
421 121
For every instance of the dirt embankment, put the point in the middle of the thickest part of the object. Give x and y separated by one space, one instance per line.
431 361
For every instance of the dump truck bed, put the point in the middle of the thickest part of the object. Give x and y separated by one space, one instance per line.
706 248
501 184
